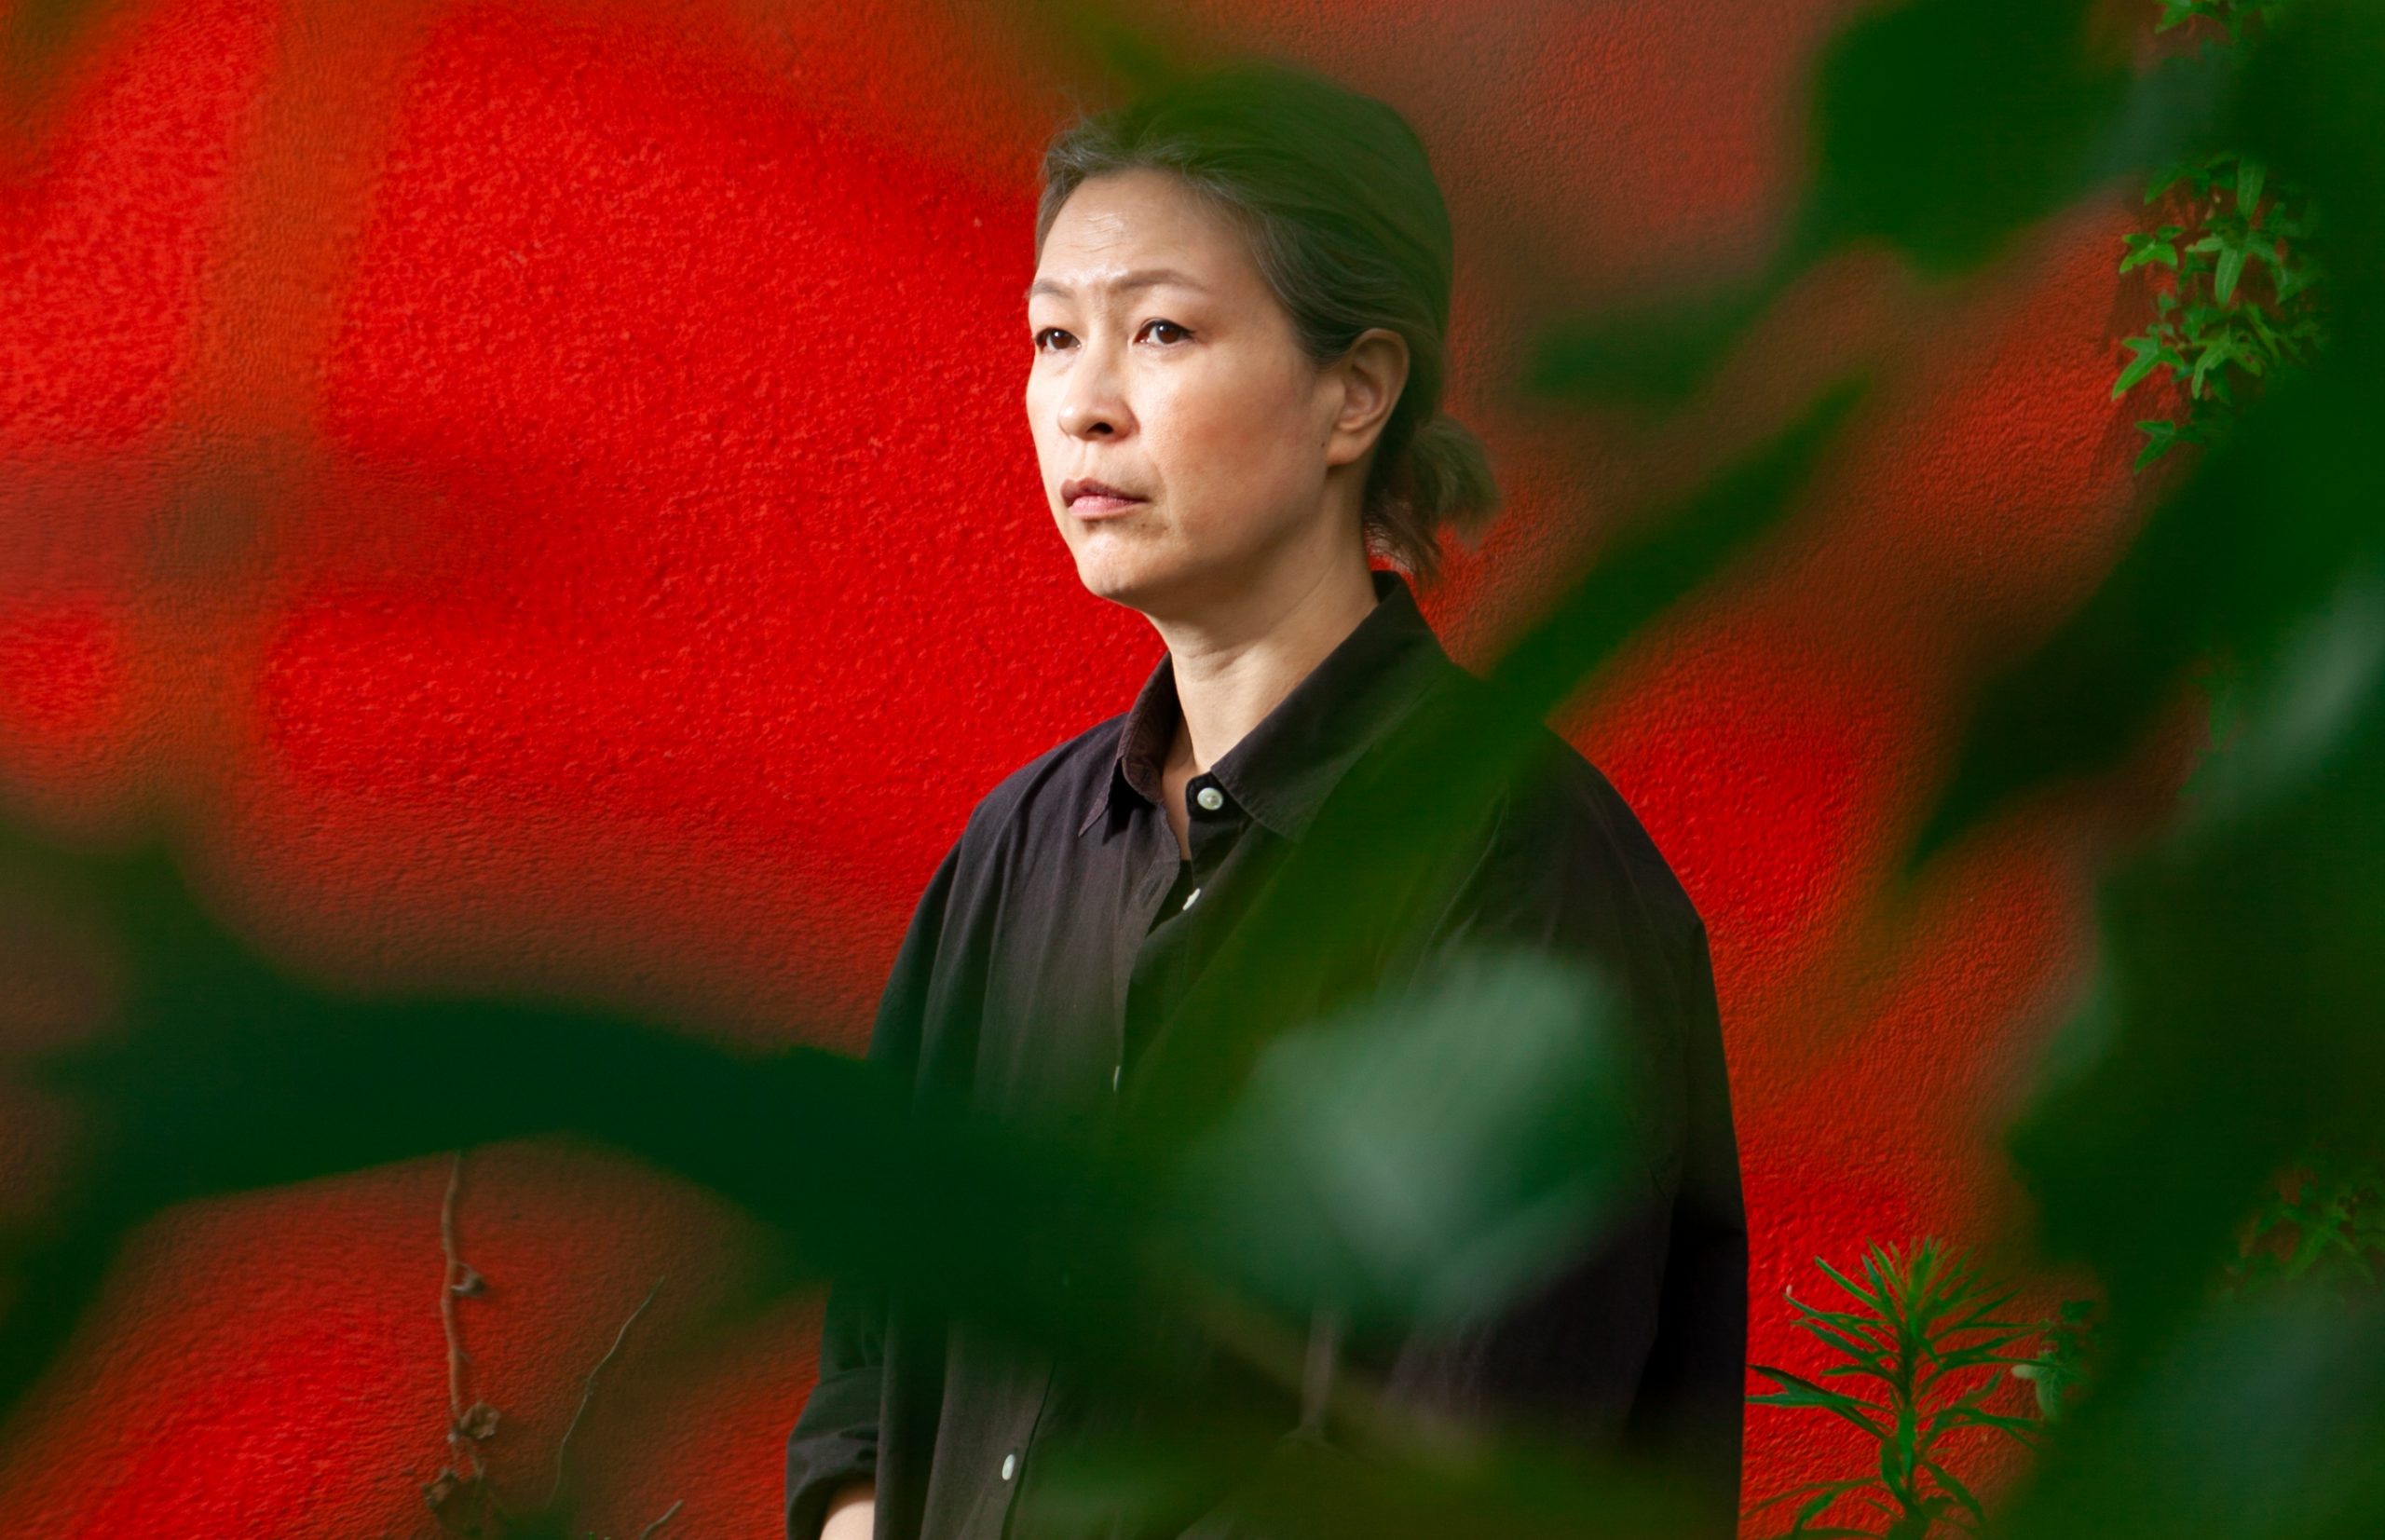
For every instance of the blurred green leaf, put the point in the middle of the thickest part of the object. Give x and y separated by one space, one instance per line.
2265 1420
2202 580
1424 1157
2238 994
1945 162
1346 894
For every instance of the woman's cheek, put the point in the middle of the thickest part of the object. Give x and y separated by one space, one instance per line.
1232 416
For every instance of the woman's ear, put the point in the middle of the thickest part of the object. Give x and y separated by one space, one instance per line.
1372 372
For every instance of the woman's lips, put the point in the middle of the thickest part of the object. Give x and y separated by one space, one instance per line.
1096 505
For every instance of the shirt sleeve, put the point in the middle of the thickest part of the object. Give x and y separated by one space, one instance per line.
1636 1344
835 1440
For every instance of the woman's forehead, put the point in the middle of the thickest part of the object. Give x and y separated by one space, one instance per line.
1113 279
1118 249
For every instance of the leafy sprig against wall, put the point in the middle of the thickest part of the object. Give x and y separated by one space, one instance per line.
2244 296
1924 1341
2323 1225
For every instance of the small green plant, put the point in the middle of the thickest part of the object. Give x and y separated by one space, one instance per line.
2057 1371
2324 1225
1934 1353
2231 14
2244 296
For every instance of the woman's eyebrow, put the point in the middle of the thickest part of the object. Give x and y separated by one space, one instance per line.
1142 278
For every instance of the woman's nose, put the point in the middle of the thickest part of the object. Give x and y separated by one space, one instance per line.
1092 404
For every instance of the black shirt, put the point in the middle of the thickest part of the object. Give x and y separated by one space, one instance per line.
1066 903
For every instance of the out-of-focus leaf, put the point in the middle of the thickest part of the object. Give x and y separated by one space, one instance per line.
2264 1420
1942 161
2234 1012
1345 892
1513 1485
1945 160
1425 1156
2205 578
1652 352
2330 663
229 1075
37 35
2237 999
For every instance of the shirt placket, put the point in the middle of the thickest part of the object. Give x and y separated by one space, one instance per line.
1160 961
1167 886
1157 865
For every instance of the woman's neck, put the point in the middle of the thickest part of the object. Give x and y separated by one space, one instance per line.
1232 670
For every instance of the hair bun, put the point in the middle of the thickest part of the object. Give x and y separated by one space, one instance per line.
1449 478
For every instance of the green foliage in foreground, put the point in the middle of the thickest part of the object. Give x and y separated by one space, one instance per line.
2231 1030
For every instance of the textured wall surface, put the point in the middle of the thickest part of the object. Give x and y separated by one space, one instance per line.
532 493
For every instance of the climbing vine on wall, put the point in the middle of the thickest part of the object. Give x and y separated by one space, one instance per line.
462 1496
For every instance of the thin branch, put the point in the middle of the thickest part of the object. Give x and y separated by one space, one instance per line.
588 1393
648 1533
455 1356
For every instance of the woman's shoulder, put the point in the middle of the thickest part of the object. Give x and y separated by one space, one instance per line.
1562 813
1053 789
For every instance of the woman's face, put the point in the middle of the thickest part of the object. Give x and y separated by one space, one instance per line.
1165 368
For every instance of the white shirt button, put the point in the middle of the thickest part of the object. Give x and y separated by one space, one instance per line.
1210 798
1010 1465
1191 896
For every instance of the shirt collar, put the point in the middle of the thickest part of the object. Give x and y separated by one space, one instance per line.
1283 768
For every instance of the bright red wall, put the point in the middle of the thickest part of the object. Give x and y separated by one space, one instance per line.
534 493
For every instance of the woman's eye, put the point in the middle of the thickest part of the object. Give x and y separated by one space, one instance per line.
1170 325
1047 331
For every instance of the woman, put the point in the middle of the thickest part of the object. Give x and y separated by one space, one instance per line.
1238 315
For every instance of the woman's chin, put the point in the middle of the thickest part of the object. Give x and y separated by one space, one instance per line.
1120 578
